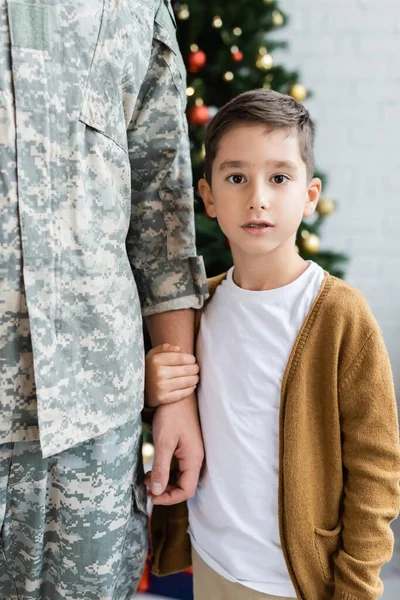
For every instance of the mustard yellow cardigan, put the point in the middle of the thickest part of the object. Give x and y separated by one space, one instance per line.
339 456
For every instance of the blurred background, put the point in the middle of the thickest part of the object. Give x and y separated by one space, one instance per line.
341 59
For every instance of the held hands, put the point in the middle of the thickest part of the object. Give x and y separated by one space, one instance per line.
171 378
171 375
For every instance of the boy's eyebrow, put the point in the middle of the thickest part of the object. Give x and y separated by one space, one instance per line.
232 164
283 164
277 164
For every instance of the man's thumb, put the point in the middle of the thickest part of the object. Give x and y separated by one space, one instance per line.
160 470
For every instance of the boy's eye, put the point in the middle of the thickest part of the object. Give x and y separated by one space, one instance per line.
236 179
279 179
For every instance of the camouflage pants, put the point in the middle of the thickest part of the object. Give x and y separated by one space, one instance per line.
73 526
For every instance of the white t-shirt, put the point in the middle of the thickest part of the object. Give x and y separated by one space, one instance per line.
243 347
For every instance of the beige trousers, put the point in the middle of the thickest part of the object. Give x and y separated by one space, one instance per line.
209 585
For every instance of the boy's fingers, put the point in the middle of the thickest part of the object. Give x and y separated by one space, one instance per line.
171 359
179 371
178 395
176 358
182 383
164 348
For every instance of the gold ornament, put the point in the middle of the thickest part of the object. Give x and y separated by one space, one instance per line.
194 48
311 243
265 62
184 12
305 234
298 92
277 18
228 76
325 207
147 453
217 22
262 50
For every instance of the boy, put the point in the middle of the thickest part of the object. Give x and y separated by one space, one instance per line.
297 406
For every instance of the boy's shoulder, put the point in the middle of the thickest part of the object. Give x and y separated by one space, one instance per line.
344 300
340 297
343 315
213 283
339 303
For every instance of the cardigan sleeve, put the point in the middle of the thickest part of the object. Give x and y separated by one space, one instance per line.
371 466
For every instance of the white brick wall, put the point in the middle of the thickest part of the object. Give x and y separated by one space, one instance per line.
347 52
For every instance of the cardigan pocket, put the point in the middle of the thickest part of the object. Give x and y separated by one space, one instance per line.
326 544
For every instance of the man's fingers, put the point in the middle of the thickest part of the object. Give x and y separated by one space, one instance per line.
161 466
185 489
147 482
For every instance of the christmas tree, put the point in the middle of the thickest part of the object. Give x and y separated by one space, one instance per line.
228 49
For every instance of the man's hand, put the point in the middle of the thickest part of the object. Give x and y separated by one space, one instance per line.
176 433
171 375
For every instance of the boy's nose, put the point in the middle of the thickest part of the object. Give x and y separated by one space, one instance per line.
258 198
258 202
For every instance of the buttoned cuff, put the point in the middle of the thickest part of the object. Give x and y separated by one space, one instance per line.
172 285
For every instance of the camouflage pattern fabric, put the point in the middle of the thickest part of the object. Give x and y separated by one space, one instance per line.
96 210
73 526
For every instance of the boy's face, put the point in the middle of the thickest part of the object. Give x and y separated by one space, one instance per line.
259 190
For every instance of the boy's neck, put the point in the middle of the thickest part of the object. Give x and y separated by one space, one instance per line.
260 273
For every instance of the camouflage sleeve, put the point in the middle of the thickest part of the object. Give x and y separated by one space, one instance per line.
161 238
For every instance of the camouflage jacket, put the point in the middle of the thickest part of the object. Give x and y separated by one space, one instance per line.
96 210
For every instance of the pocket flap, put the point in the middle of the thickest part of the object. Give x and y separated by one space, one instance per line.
140 497
165 29
330 532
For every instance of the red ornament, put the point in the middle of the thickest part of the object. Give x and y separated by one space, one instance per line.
144 584
198 115
196 61
237 56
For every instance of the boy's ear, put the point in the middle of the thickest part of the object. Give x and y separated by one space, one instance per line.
207 196
313 194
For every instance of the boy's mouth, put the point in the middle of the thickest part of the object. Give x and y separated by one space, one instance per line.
257 227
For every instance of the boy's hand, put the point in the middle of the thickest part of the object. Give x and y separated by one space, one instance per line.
170 375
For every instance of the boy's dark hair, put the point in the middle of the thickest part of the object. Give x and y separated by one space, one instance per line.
261 107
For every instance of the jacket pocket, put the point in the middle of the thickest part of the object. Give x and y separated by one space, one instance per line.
139 498
327 544
165 32
118 68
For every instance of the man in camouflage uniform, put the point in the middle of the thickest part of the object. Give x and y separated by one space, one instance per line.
96 229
